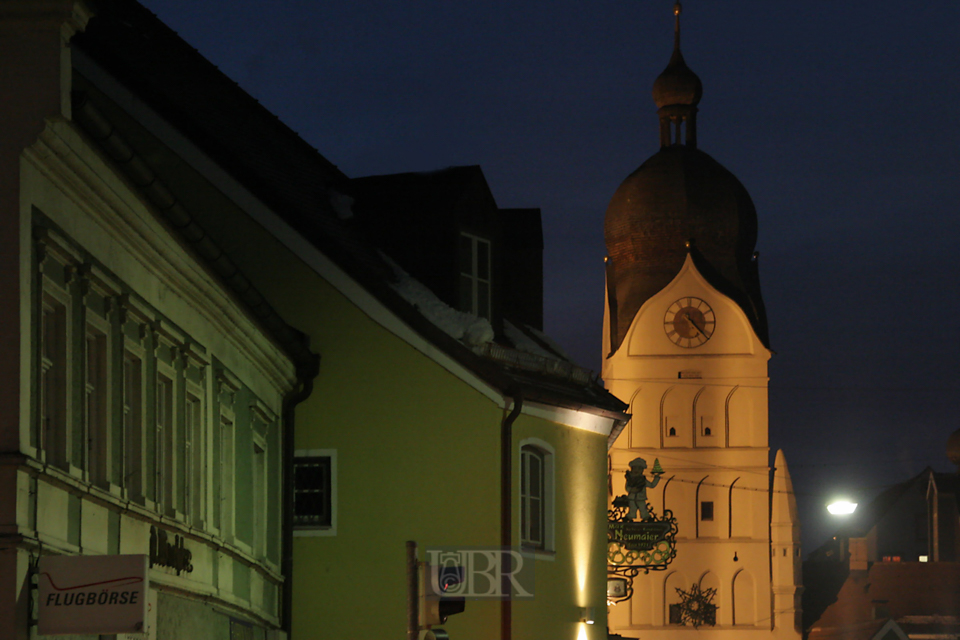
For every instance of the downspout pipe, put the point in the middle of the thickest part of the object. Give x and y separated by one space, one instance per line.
307 370
506 505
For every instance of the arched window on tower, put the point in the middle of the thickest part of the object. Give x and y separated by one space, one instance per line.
730 511
676 407
671 599
708 405
709 580
740 418
744 599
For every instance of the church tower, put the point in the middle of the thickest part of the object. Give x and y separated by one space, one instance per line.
685 343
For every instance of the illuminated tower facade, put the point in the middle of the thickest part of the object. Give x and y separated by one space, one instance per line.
685 343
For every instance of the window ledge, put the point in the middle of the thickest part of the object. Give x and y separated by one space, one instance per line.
228 545
313 532
539 554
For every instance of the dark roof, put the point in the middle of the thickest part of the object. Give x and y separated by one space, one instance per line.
901 590
522 228
420 195
827 570
286 173
678 197
222 119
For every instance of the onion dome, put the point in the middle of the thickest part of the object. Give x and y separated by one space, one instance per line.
680 201
678 84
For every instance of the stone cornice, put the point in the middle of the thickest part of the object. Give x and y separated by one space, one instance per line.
61 155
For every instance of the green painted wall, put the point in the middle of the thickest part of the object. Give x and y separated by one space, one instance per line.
418 458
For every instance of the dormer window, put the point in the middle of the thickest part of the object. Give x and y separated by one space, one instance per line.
475 275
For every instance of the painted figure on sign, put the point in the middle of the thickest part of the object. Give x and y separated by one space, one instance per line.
637 484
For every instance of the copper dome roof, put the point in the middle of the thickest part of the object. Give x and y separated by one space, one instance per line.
677 84
680 200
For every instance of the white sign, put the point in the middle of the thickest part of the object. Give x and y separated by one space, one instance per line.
150 629
92 594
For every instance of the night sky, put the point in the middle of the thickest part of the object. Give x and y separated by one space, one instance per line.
842 119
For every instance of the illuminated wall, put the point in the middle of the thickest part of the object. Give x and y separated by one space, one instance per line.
702 412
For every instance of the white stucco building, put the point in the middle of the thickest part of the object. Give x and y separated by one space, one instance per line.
143 399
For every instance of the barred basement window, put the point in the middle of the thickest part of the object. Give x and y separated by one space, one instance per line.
313 491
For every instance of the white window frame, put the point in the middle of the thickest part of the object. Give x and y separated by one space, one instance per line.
260 468
166 443
548 456
474 277
227 426
97 394
306 530
55 300
195 429
133 408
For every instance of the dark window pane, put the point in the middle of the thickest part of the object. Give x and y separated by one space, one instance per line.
524 517
536 476
466 294
532 499
706 511
536 521
483 259
675 614
466 255
483 299
312 491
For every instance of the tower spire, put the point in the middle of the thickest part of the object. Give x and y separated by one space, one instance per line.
677 92
677 9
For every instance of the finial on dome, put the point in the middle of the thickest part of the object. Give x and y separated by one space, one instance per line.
677 10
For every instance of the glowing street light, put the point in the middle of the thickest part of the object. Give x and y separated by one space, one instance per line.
842 507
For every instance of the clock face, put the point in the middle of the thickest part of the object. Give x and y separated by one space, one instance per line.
689 322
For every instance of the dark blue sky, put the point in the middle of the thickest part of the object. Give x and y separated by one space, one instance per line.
842 119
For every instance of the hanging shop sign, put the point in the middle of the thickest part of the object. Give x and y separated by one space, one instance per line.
92 594
646 546
638 536
167 550
637 539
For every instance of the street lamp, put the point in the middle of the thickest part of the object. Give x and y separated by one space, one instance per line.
841 507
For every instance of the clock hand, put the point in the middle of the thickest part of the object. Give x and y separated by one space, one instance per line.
696 326
684 317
